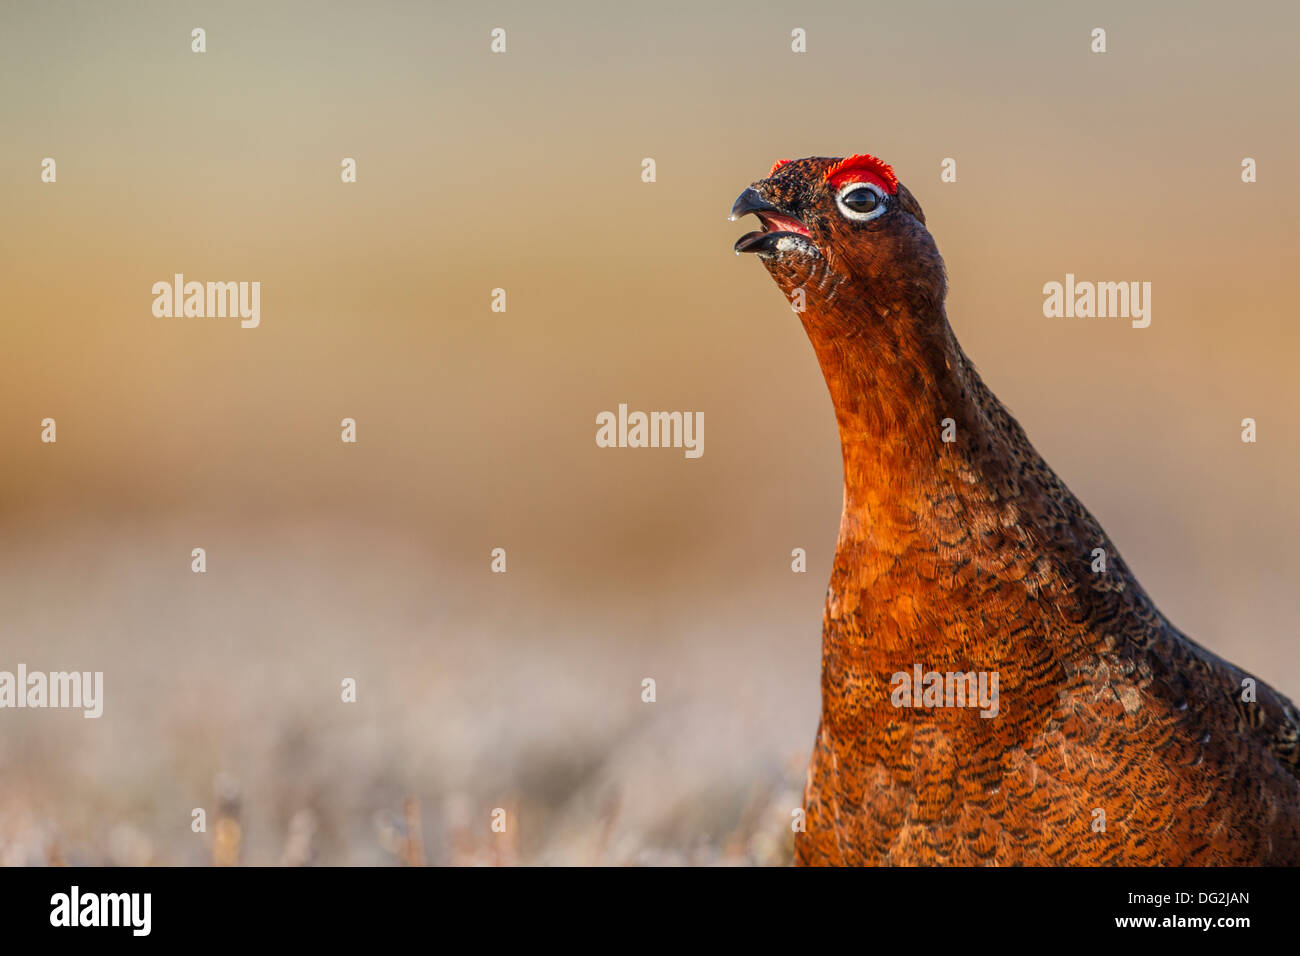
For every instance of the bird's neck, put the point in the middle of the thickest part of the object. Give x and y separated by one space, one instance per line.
907 403
924 454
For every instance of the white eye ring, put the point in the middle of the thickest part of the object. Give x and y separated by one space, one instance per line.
848 213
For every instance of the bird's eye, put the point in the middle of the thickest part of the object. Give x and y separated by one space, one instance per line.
860 201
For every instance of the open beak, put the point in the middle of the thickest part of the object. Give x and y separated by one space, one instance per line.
776 224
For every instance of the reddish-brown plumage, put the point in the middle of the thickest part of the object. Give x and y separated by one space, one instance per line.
972 556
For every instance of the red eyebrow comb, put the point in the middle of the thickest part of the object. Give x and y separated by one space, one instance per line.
863 166
777 165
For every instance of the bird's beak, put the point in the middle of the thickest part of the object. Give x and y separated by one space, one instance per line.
776 223
751 200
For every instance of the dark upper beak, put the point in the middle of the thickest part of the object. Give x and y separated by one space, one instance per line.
750 201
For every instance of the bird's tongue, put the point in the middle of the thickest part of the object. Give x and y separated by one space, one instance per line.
776 222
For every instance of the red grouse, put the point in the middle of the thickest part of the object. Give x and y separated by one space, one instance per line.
996 685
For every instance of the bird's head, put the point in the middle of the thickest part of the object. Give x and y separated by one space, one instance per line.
848 234
847 244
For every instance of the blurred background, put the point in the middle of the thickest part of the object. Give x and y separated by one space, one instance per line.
476 429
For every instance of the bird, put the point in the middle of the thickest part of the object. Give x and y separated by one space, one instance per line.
997 687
